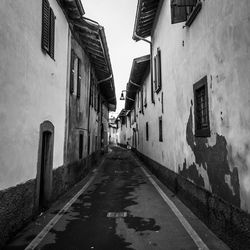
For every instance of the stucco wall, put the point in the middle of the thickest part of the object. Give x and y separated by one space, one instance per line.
33 88
78 108
217 45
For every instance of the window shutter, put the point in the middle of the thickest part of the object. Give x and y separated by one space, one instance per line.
45 25
158 69
155 72
72 71
52 34
78 94
178 12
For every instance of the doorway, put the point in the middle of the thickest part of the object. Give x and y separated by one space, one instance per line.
45 165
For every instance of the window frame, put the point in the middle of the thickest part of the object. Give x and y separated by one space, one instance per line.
201 130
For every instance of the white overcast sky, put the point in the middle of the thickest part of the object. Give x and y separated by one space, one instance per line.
117 17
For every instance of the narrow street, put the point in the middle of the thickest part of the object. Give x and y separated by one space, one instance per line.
120 209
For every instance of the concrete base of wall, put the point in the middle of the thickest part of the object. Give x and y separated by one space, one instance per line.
17 204
228 222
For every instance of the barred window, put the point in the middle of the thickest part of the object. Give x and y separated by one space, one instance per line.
201 109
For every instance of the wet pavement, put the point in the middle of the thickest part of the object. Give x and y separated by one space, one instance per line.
120 209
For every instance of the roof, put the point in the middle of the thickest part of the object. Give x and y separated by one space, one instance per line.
92 38
145 16
139 69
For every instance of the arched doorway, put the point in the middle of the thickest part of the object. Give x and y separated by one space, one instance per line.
45 165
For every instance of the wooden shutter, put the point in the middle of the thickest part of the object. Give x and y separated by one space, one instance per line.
52 34
178 12
155 73
72 72
158 69
45 25
79 78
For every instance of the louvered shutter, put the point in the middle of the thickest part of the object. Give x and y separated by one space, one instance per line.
178 12
52 34
79 78
72 72
155 73
158 69
45 25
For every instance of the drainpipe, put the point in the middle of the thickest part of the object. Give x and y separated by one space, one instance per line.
151 62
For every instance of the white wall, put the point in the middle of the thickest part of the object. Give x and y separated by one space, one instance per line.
33 88
217 45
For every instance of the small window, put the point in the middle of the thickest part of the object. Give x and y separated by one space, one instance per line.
48 29
185 11
80 146
72 71
157 71
201 109
147 135
160 129
79 78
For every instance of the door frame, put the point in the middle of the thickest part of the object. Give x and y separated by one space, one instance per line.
45 126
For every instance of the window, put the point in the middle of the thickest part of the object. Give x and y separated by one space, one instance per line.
79 78
48 29
201 110
160 129
157 71
146 131
72 71
80 145
185 10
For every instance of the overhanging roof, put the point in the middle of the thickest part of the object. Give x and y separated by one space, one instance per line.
139 69
145 17
93 40
73 8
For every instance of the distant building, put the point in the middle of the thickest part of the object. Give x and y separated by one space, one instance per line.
189 101
56 92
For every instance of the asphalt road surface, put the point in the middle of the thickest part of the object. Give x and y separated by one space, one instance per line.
120 205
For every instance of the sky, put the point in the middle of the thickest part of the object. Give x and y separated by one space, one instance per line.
117 17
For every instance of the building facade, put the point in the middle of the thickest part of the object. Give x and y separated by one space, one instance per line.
192 106
54 102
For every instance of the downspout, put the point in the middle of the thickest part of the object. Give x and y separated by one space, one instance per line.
151 63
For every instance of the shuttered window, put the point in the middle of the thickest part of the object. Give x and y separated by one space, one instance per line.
52 34
48 29
72 71
79 78
45 25
201 108
185 10
157 71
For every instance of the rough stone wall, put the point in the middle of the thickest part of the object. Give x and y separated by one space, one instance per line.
17 206
216 45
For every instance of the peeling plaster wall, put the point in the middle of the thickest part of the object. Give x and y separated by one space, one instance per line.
78 109
33 88
217 45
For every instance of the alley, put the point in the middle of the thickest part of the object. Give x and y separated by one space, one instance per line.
119 208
